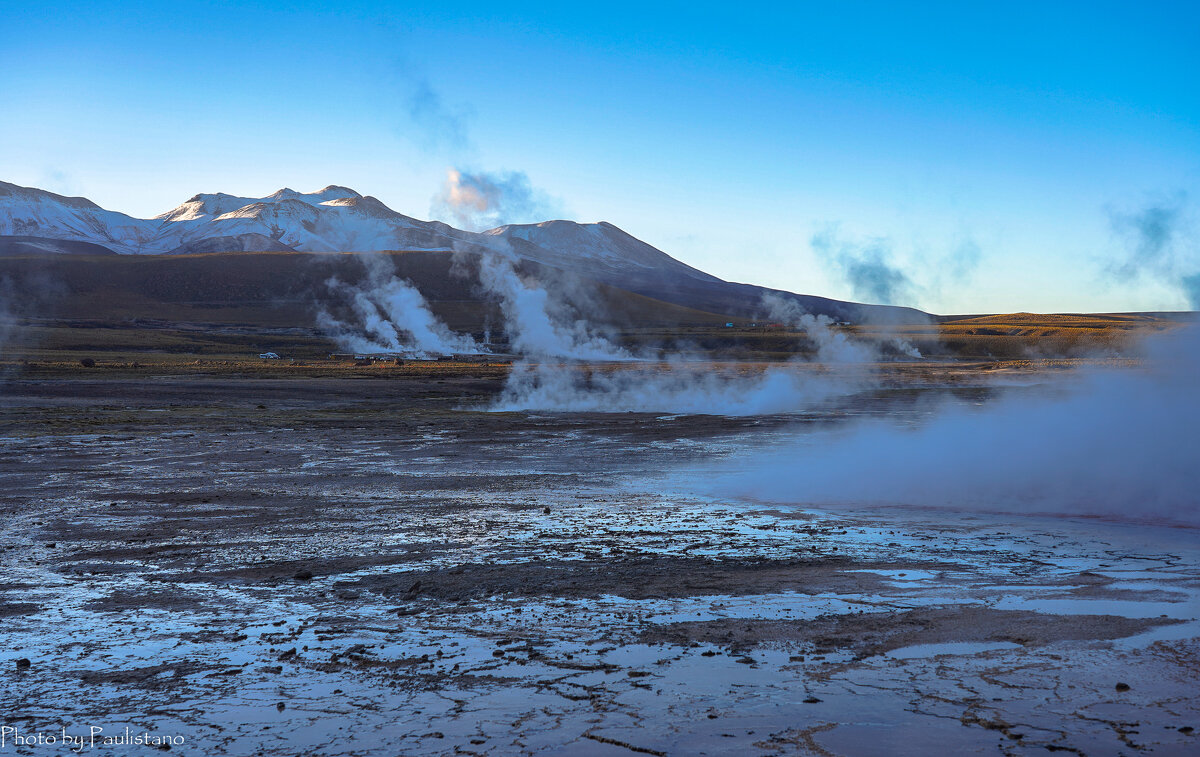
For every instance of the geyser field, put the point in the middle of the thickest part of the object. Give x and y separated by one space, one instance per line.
550 380
950 555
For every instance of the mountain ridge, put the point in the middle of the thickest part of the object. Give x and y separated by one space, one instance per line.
339 219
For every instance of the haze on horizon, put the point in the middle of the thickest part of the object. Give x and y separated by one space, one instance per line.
952 159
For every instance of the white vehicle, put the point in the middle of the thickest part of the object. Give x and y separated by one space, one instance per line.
268 356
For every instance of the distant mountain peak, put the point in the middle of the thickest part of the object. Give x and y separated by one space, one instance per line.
333 219
339 219
34 194
206 196
333 190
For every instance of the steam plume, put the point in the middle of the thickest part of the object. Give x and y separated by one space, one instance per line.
1157 247
439 127
1150 233
1119 446
392 316
832 346
530 320
867 267
671 388
678 386
482 200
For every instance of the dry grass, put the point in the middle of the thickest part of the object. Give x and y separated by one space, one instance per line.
126 364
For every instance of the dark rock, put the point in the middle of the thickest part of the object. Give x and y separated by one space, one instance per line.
812 700
23 663
1122 687
303 575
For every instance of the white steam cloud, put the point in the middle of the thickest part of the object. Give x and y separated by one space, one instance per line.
676 388
484 200
391 317
1119 446
833 346
530 317
696 388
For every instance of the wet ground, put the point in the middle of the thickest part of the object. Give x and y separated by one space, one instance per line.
317 566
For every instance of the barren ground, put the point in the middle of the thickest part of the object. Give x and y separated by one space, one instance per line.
314 564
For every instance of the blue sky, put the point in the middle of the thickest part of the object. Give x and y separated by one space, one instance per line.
990 154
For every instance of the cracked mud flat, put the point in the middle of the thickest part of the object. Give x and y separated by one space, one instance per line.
367 567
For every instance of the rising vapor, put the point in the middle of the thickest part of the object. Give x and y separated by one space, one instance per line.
482 200
868 268
1119 446
678 386
391 316
833 346
535 324
1159 244
435 125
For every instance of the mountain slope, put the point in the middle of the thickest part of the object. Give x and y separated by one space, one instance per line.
599 247
338 219
29 212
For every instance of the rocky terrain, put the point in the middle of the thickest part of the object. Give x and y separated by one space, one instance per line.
366 566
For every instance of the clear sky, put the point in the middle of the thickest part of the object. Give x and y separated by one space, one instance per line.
1002 157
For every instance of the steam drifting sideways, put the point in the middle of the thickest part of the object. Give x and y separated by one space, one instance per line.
676 386
664 388
1119 446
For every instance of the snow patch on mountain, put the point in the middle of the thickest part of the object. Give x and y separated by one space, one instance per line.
25 211
333 219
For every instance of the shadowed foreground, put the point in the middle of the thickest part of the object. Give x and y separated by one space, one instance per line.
330 566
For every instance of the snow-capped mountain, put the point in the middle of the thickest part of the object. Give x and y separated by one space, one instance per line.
34 222
334 219
29 212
